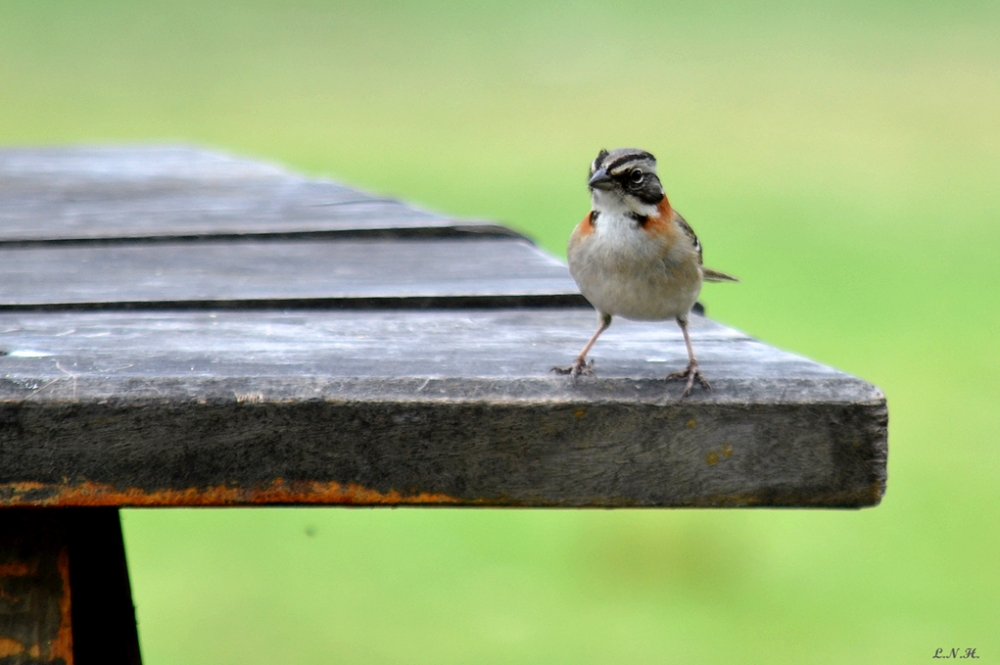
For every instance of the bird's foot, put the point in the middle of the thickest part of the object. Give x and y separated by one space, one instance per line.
579 366
691 373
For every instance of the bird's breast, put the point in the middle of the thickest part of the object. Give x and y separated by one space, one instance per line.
635 270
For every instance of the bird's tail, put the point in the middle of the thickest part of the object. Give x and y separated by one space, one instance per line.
710 275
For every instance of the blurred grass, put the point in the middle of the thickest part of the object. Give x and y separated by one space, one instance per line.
842 158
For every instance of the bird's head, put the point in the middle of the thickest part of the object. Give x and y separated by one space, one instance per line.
625 180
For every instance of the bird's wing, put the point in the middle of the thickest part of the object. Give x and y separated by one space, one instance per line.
681 222
707 274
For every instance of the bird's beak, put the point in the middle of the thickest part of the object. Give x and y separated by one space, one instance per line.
601 180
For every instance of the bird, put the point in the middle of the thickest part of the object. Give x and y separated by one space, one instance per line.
634 256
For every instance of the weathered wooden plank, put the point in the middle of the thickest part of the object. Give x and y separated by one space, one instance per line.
443 407
65 597
78 194
135 162
310 406
36 624
254 273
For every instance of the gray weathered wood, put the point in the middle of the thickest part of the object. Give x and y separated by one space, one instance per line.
225 401
246 273
55 195
452 407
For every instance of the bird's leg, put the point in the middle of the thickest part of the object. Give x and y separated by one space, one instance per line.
580 365
691 373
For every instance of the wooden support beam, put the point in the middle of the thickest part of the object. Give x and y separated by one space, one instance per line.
65 597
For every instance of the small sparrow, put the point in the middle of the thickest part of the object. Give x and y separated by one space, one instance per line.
634 256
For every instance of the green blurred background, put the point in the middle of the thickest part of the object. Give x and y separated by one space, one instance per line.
842 158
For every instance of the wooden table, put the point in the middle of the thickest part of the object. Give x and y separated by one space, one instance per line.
181 328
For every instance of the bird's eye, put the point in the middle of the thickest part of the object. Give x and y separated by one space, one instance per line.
636 176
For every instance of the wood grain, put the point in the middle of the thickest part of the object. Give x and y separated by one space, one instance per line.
454 407
251 272
60 195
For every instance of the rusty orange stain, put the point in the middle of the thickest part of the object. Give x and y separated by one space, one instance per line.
18 569
62 646
712 458
277 492
727 449
318 493
690 424
579 413
59 649
10 647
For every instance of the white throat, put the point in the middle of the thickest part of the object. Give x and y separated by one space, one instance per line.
613 204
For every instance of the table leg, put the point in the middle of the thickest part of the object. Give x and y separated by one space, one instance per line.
65 596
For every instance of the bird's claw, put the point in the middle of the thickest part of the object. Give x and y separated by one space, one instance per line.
691 373
580 366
